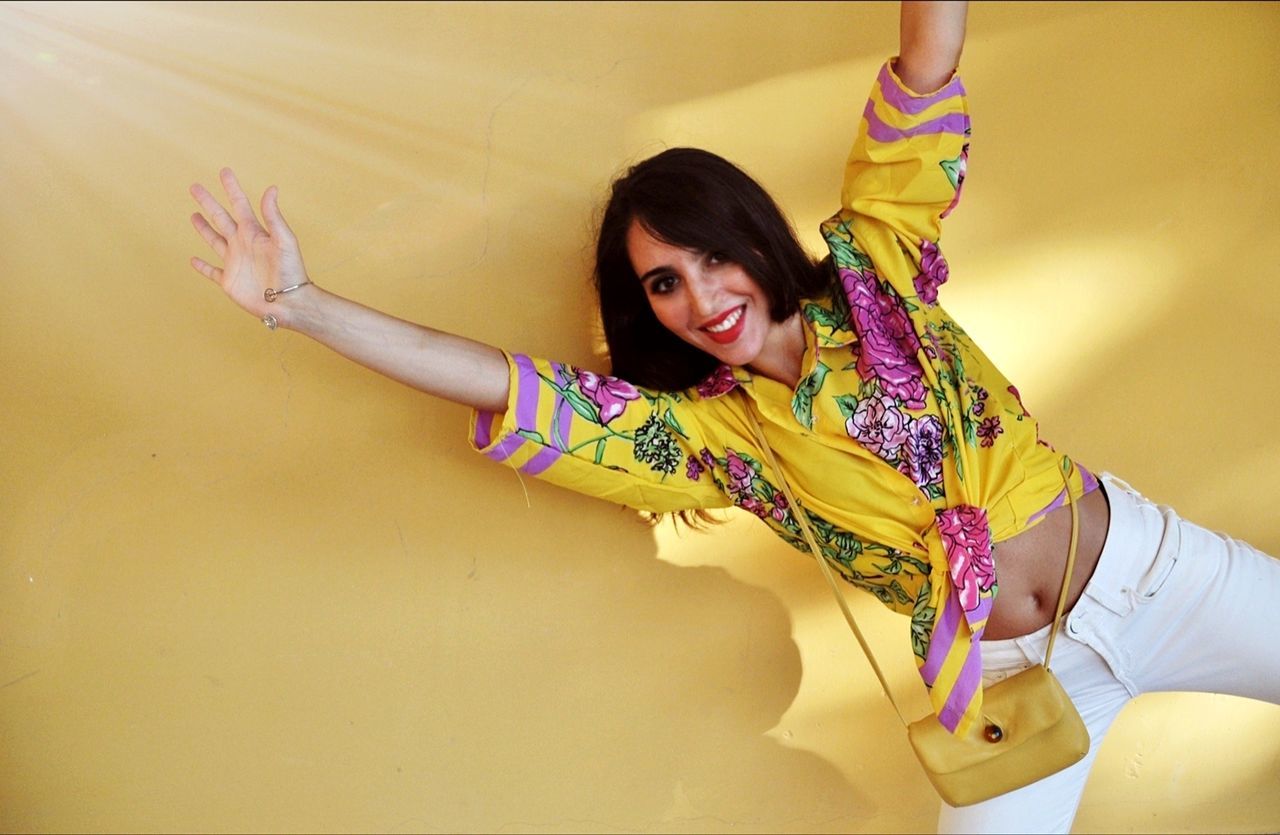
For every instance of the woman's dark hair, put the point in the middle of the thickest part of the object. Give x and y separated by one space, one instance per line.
694 199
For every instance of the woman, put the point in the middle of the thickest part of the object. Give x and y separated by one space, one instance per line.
909 453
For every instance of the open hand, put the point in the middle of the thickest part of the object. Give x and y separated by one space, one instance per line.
255 256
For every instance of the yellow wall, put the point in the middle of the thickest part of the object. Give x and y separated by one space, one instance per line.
246 585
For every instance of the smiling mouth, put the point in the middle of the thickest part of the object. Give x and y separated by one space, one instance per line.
728 327
727 321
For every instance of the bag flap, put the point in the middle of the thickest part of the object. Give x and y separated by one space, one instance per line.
1022 706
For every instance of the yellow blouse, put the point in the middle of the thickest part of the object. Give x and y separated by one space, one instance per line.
909 451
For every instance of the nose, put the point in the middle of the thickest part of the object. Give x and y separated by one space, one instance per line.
703 294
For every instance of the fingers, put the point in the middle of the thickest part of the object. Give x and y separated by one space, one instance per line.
210 235
241 209
275 221
217 215
206 269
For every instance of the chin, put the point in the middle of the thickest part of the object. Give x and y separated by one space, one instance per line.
740 353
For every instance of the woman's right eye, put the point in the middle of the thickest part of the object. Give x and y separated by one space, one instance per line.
662 285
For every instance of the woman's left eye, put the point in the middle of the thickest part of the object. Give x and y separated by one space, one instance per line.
717 257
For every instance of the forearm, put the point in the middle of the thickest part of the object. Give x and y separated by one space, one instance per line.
443 364
931 37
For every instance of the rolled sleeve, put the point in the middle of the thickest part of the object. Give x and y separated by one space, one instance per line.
904 175
598 435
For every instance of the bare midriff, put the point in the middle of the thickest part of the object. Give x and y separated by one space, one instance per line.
1030 567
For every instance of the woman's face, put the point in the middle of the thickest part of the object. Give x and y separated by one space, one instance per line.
701 297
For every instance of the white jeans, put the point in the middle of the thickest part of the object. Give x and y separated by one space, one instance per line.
1171 606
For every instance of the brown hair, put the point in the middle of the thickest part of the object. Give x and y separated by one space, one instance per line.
694 199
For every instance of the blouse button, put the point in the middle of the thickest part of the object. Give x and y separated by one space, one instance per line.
993 733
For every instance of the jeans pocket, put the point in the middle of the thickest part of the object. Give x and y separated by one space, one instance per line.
1156 578
1162 567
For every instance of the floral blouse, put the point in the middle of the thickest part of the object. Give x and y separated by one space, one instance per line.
908 449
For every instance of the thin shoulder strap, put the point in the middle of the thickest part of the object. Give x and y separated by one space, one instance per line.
1070 569
800 516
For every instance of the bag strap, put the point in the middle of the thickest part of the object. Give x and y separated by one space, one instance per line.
1070 569
829 573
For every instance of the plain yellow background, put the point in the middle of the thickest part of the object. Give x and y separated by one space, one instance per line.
246 585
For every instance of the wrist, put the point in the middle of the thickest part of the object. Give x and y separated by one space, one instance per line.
297 309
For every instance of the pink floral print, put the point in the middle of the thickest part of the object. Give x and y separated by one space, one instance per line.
720 382
933 272
888 344
1016 396
880 426
989 429
608 393
979 404
923 452
741 474
966 537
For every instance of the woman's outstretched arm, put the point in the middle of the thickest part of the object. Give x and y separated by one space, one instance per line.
931 36
260 255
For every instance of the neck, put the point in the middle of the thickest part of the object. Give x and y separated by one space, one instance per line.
783 354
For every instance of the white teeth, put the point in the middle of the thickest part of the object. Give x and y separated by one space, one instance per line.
727 323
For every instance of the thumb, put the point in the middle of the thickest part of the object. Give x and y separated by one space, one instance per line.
276 224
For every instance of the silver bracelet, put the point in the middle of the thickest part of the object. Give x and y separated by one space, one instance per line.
271 293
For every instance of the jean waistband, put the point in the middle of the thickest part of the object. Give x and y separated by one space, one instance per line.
1130 532
1141 533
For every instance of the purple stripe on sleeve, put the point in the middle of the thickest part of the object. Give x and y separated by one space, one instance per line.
944 635
962 693
903 102
877 129
484 420
544 458
505 448
528 386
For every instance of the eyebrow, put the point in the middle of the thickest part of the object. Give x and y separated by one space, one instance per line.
653 273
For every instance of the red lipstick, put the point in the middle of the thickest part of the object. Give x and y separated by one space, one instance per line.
738 316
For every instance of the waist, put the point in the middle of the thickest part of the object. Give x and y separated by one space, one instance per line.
1030 566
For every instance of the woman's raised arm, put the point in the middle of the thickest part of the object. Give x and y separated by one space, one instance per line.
258 256
931 36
